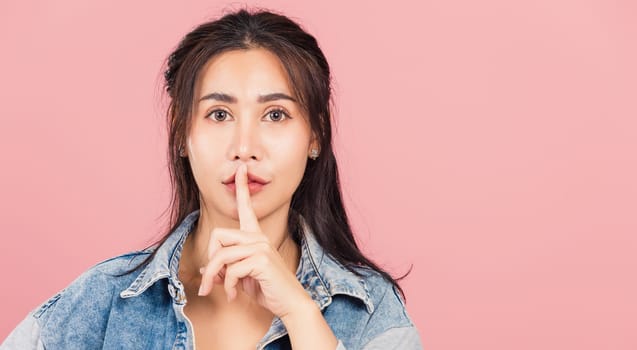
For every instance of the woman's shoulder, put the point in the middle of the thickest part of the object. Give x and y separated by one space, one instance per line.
383 293
95 287
375 290
381 319
80 307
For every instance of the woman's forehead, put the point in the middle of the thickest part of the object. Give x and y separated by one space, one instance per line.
244 74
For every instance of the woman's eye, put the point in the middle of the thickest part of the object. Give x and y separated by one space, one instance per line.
277 115
218 115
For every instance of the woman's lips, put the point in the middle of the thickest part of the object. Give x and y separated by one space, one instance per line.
253 186
251 178
255 183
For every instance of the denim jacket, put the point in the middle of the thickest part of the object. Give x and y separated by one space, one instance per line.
144 309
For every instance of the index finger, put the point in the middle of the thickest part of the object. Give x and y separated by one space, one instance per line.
247 218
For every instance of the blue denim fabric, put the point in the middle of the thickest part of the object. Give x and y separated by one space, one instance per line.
144 310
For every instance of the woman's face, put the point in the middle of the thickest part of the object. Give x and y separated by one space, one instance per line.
241 114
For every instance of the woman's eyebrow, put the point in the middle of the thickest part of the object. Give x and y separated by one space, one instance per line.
219 96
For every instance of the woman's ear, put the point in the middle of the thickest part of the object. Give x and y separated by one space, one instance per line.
314 150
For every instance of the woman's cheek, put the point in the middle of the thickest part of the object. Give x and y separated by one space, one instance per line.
292 158
205 162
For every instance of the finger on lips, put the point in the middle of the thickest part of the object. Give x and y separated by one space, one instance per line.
230 238
247 218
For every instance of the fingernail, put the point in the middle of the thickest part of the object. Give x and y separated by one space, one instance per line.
200 290
201 270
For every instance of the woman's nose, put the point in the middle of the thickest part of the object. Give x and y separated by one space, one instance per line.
246 143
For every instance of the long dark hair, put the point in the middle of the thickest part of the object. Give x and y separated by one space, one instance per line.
318 197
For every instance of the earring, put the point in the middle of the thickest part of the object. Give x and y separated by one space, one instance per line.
314 154
181 151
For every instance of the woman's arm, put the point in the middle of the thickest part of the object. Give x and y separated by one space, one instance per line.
405 338
308 329
26 335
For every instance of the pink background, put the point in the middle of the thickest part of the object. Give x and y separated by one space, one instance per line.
491 144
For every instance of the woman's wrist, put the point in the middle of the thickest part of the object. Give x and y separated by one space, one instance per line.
307 327
300 310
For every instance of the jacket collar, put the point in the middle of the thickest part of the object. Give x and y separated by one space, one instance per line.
165 263
320 274
323 276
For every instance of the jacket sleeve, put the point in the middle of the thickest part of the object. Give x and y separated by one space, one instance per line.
26 335
389 326
406 338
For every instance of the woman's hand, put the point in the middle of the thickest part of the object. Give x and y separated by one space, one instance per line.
248 257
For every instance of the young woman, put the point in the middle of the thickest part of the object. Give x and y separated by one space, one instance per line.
260 252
